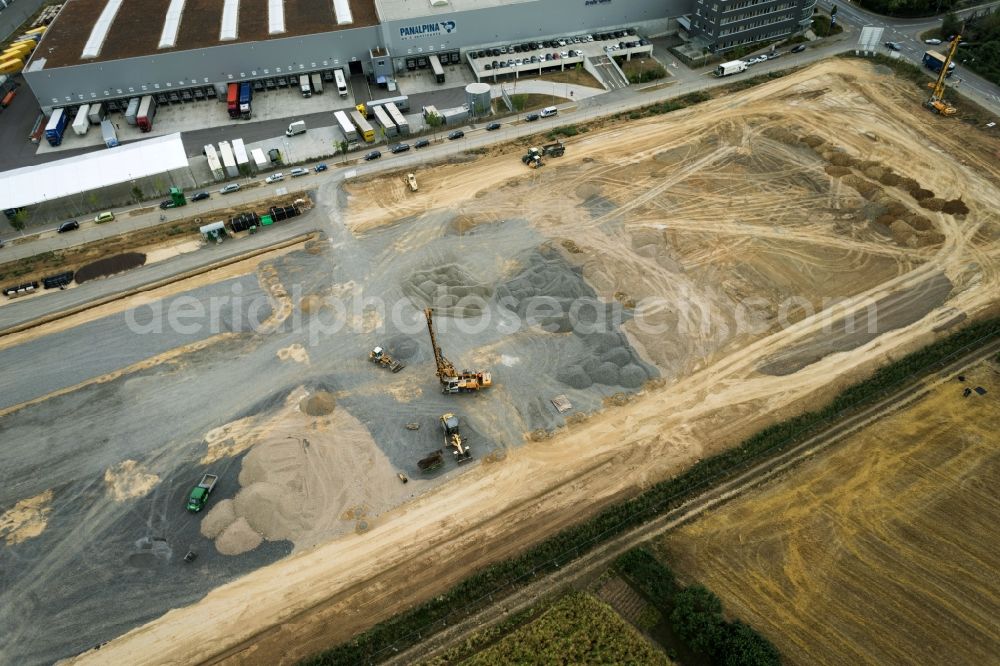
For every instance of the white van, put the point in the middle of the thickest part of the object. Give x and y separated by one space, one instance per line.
549 111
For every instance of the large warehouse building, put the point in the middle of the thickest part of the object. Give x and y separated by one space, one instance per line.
180 50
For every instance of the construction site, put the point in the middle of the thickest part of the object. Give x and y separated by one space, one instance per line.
439 376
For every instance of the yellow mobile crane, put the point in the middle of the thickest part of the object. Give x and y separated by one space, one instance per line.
453 381
936 103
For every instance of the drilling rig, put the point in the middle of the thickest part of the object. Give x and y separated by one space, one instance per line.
936 103
451 380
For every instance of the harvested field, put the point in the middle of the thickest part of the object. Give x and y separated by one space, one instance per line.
883 549
647 276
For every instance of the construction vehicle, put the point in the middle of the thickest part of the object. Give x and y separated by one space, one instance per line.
380 356
199 494
533 158
411 180
433 460
451 380
937 103
453 438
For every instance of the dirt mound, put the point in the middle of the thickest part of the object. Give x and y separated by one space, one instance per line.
319 403
238 538
449 289
129 479
311 303
889 178
955 207
218 518
110 266
920 193
837 171
933 203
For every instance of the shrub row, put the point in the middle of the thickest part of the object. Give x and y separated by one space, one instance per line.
695 615
407 629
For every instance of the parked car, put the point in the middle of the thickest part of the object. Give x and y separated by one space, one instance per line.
531 117
106 216
399 148
167 203
71 225
228 189
492 126
320 167
932 42
274 178
457 134
201 196
798 48
422 143
373 155
299 171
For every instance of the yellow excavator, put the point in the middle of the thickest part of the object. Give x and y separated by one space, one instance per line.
453 438
936 103
451 380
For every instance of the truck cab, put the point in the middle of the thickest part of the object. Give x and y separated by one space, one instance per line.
197 499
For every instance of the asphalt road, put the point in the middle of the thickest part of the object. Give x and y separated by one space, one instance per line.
13 16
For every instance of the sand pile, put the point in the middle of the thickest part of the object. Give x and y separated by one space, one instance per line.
449 289
319 403
129 479
309 462
27 519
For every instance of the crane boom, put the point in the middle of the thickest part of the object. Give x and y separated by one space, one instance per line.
453 381
936 101
444 366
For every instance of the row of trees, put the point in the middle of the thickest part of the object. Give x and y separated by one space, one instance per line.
908 7
695 615
980 46
499 579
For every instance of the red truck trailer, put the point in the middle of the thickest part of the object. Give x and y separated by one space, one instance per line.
233 100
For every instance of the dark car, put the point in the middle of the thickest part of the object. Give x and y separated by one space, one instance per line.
201 196
457 134
71 225
399 148
492 126
167 203
320 167
799 48
892 46
423 143
531 117
374 155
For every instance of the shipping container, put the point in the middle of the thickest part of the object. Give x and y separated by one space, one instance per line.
366 131
388 128
132 110
437 69
228 159
397 117
108 133
81 123
147 111
96 114
214 164
346 126
233 100
56 126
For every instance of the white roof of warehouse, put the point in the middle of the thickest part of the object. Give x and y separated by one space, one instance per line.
400 10
92 171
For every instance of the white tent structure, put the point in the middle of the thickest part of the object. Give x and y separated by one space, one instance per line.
49 182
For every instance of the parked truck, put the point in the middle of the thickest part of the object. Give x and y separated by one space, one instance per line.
732 67
96 113
199 494
146 113
304 85
296 128
81 123
108 133
346 126
317 83
56 126
233 100
132 110
246 98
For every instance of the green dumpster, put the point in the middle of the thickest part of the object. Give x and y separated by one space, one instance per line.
266 220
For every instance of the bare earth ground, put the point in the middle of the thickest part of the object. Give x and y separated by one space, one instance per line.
699 223
882 550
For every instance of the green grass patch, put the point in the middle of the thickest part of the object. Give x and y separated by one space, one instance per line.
578 629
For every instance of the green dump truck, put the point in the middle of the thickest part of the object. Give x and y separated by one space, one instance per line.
199 494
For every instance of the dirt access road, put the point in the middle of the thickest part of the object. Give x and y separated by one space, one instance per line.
779 191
